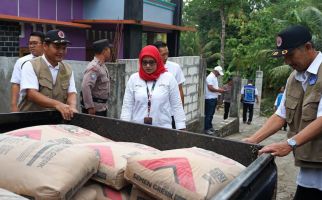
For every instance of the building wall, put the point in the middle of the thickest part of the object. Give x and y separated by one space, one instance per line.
158 11
9 40
104 9
120 72
64 10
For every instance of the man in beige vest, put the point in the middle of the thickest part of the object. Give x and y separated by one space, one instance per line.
301 108
47 82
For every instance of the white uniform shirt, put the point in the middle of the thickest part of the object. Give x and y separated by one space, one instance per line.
211 80
165 98
29 79
310 178
16 73
176 71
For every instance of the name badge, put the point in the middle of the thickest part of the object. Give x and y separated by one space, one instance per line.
312 79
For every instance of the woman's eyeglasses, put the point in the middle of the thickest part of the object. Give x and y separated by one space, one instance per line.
148 62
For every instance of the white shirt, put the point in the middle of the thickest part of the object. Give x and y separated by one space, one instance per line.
165 98
211 80
176 71
29 79
310 178
16 74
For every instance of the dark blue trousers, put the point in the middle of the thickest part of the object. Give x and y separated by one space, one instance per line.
210 108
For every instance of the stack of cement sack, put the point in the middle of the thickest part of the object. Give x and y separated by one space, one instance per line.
57 161
191 173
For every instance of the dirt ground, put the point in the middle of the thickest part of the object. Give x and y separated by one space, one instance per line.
287 172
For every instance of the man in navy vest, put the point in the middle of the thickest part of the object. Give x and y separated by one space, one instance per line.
248 95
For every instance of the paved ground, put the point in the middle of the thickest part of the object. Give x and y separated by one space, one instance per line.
287 172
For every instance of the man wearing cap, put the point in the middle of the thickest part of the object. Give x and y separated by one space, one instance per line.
47 82
212 91
248 95
301 108
35 45
96 81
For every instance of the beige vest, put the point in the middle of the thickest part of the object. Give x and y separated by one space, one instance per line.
301 110
57 91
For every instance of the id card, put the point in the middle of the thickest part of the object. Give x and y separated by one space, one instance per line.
148 120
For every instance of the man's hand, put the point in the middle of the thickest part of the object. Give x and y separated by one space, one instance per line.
91 111
14 108
250 140
66 111
277 149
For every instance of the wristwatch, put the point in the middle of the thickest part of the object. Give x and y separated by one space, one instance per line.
292 143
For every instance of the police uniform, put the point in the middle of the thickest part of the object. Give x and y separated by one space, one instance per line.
96 87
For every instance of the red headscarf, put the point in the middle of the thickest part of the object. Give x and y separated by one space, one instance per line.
154 53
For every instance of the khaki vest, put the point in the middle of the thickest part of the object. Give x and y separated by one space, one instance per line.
57 91
301 109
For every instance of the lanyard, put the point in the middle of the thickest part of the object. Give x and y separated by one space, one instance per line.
149 95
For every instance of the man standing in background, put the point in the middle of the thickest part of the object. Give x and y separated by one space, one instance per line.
248 94
35 45
227 96
212 91
96 81
173 68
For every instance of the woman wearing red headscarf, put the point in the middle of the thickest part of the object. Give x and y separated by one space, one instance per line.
152 93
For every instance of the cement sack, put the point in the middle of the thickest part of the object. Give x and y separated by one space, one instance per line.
113 159
61 133
7 195
101 192
137 194
191 173
48 171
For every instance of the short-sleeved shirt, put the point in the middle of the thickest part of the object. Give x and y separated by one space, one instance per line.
176 71
16 73
29 79
213 81
307 177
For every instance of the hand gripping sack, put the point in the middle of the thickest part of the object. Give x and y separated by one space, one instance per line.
102 192
190 173
48 171
113 159
61 133
7 195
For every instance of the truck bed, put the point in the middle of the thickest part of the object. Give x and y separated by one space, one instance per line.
257 181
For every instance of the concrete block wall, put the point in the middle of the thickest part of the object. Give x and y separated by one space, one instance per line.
9 39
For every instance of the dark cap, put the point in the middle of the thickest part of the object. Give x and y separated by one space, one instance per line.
56 36
291 38
100 45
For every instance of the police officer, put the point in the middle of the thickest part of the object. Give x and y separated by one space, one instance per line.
47 82
96 81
